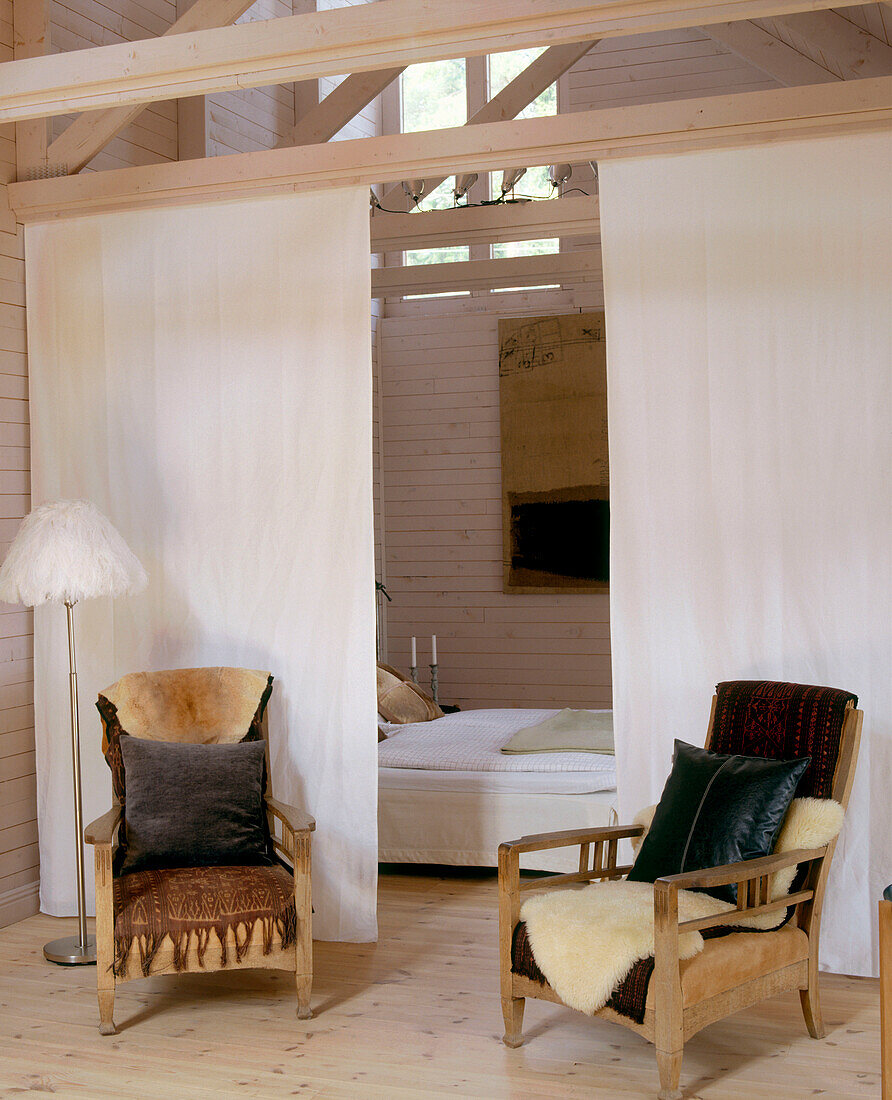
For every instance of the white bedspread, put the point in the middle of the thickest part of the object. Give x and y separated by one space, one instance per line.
470 741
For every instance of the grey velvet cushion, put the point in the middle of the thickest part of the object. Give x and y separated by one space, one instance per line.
193 805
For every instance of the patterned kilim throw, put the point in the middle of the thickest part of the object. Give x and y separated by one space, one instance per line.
752 718
783 722
189 903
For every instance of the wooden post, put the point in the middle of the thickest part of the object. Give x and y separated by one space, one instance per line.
303 907
509 915
669 1010
105 938
886 995
31 37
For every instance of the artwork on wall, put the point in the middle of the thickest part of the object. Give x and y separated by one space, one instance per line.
555 497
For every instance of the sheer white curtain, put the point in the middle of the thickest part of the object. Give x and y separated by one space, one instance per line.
749 352
203 374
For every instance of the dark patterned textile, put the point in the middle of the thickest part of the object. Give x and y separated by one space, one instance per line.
783 722
628 999
187 904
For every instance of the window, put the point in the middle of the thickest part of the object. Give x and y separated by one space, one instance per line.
502 69
542 247
435 95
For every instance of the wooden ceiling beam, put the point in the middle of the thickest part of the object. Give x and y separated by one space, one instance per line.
775 58
557 267
857 53
570 217
714 122
89 134
342 103
518 94
360 38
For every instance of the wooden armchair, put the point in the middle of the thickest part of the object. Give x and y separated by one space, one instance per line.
194 919
667 1000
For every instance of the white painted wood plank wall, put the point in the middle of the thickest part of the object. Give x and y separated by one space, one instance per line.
253 118
18 806
443 522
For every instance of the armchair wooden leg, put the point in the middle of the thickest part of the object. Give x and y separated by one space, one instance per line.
303 906
512 1010
669 1065
107 1011
304 983
105 939
811 1006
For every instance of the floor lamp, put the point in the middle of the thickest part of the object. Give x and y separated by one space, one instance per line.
66 551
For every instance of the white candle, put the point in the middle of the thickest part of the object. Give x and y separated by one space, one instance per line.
414 660
433 649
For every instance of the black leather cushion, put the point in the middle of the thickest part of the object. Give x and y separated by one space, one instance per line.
193 805
714 810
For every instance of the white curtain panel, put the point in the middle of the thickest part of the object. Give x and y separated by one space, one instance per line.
203 374
749 352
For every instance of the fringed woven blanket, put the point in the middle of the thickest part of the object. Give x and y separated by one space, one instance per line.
187 904
586 941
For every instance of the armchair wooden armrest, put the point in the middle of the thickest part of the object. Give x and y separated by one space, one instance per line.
540 842
602 864
298 821
103 831
296 828
752 877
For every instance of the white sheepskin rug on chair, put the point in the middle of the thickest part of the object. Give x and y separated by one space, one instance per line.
585 941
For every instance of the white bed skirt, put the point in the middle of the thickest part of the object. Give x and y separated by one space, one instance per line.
465 828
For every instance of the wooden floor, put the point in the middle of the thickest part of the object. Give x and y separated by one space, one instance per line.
414 1015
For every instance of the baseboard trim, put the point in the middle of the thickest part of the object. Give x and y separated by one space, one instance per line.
19 903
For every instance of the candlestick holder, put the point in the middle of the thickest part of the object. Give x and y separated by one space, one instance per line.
413 673
435 682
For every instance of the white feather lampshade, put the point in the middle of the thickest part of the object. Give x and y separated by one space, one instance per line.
66 551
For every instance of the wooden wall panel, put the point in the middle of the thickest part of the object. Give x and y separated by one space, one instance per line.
441 498
254 118
18 803
653 67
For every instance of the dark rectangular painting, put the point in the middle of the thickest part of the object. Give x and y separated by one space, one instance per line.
555 495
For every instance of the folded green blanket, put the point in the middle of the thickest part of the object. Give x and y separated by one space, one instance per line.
567 731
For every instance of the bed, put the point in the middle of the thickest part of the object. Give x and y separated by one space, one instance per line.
447 795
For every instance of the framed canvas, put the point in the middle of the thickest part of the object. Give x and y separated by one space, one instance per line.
555 486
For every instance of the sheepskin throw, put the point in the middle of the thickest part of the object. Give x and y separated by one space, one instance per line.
586 941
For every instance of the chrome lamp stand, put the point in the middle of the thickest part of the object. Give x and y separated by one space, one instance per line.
79 949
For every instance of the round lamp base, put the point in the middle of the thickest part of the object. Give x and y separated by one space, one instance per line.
70 952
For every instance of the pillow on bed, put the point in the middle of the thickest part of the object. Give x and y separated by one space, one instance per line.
402 701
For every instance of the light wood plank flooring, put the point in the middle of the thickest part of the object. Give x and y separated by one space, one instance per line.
414 1015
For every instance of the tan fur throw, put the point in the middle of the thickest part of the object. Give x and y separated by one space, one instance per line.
399 700
201 705
585 941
